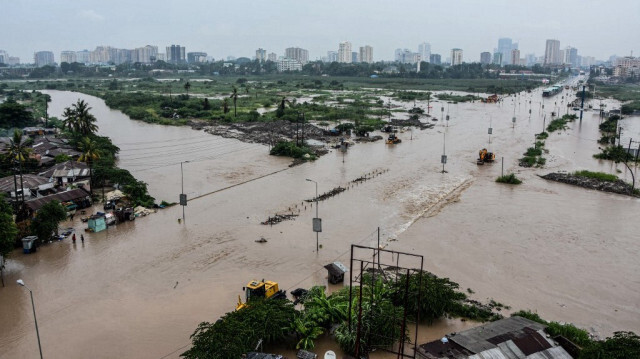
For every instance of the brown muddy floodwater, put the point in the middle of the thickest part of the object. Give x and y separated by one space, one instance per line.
138 290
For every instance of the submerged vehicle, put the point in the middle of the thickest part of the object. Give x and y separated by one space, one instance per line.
393 139
260 289
485 156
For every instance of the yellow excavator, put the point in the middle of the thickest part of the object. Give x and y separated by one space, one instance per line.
485 156
260 289
393 139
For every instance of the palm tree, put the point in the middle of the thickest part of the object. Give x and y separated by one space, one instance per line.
187 86
79 119
90 153
225 105
234 96
18 151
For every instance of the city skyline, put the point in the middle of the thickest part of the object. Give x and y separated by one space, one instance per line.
220 31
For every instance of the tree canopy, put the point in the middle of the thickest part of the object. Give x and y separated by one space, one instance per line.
13 114
8 229
47 219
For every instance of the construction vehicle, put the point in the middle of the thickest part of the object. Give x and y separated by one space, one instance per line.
485 156
393 139
263 289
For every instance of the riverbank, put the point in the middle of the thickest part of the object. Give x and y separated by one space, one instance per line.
614 186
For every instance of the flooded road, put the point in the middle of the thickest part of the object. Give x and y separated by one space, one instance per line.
140 289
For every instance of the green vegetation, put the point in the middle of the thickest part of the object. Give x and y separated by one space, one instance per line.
621 345
47 219
561 123
14 115
290 149
533 156
542 136
597 175
628 93
510 179
8 228
238 332
531 151
611 152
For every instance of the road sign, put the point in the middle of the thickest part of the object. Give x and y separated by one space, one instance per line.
183 199
317 224
443 159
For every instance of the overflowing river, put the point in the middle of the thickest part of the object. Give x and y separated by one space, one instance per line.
138 290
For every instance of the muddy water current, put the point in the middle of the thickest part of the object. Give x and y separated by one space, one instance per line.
139 289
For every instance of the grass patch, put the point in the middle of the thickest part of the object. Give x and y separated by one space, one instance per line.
561 123
531 151
542 136
597 175
509 179
290 149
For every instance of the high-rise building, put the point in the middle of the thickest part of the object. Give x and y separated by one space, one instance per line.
13 60
485 58
344 52
355 57
366 54
407 56
552 53
297 53
288 64
505 45
43 58
176 54
145 55
261 55
497 58
435 59
272 57
4 57
332 56
82 56
102 55
196 57
530 59
515 57
68 57
424 49
456 57
571 56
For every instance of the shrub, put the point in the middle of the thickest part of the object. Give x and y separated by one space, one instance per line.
531 151
290 149
510 179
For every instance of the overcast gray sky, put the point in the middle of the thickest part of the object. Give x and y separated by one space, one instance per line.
238 27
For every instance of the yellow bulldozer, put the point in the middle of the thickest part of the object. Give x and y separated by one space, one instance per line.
260 289
393 139
485 156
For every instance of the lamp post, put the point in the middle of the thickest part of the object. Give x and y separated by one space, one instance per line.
21 282
317 223
183 196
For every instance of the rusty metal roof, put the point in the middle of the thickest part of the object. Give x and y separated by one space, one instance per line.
72 195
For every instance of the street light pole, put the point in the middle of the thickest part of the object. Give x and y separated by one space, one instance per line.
33 306
183 197
316 200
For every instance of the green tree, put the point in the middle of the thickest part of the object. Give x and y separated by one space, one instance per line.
622 345
47 219
8 229
234 96
307 330
225 106
89 154
13 114
238 332
79 120
18 151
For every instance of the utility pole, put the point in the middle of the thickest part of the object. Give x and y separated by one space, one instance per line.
183 196
443 159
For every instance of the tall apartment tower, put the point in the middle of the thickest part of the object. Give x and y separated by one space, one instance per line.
505 45
344 52
424 49
176 54
456 57
261 55
552 53
515 57
297 53
68 57
43 58
366 54
485 58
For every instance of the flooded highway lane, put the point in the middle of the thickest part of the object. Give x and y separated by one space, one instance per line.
140 289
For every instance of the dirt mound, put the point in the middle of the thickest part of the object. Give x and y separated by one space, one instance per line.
618 186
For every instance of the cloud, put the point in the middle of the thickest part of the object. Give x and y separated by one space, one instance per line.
91 15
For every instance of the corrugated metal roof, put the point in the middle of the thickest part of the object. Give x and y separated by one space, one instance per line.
64 166
73 172
551 353
28 181
72 195
489 354
511 350
476 339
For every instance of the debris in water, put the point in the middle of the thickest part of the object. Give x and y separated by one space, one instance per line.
279 218
261 240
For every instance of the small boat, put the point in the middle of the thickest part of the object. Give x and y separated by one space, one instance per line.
329 355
